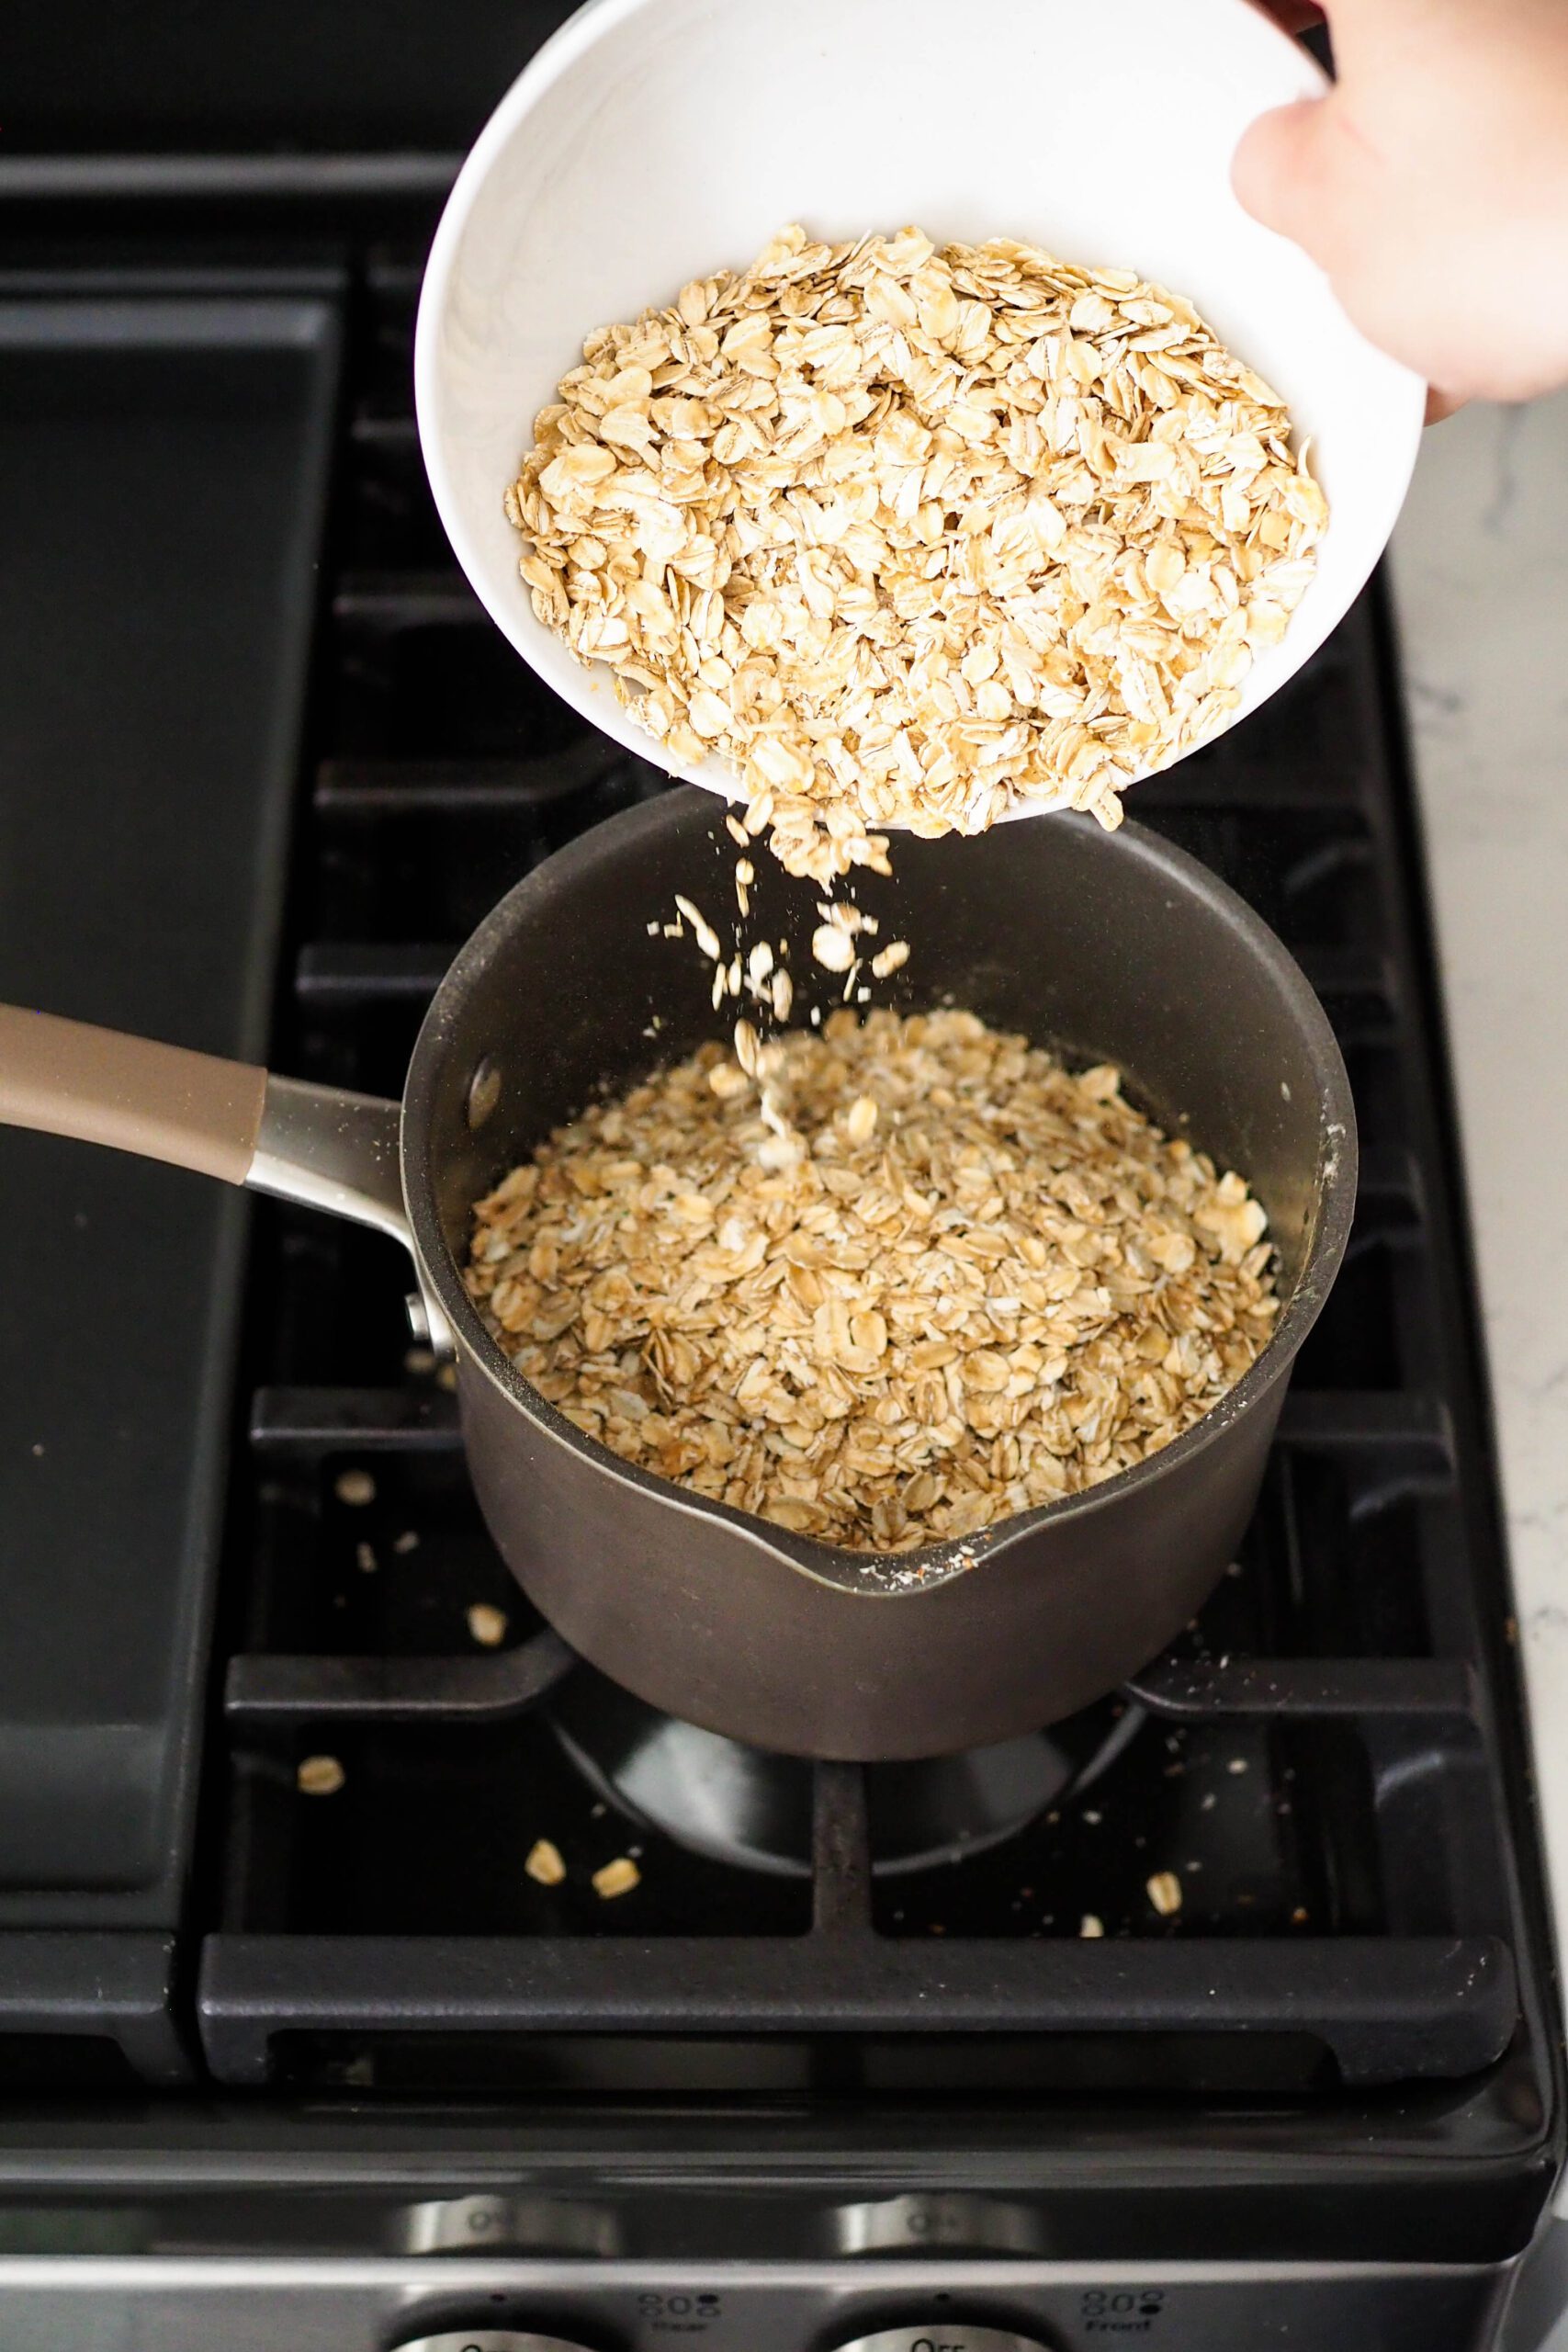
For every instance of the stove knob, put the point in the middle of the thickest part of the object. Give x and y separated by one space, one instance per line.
493 2339
509 2225
946 2335
954 2221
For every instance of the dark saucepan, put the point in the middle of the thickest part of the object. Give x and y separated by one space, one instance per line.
1111 948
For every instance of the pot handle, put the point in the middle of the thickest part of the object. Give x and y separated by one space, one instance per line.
316 1144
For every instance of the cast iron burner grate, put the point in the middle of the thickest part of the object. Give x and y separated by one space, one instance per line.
1320 1764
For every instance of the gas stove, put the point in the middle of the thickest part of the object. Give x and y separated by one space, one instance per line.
315 2026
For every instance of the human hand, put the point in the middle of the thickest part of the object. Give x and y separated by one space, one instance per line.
1431 185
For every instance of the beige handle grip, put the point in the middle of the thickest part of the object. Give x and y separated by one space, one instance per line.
161 1101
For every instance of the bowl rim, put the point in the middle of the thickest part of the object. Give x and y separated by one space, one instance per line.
581 31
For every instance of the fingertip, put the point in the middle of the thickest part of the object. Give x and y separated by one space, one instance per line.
1269 167
1442 405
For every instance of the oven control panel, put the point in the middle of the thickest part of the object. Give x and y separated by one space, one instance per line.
458 2304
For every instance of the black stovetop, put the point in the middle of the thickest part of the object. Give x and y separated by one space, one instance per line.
279 759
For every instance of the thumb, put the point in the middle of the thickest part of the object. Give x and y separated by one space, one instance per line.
1279 169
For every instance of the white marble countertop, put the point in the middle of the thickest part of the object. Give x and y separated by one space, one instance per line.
1481 580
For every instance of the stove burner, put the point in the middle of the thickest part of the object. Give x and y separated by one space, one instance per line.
746 1806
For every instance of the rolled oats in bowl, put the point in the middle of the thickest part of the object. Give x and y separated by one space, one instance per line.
918 535
884 1285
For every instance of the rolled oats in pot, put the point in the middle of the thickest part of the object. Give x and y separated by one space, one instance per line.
884 1285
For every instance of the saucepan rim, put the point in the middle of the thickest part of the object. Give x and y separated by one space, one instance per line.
903 1575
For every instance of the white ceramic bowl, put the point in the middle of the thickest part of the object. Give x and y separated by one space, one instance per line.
653 141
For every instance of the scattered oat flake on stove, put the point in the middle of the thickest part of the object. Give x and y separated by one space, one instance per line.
891 958
407 1541
917 535
544 1862
1237 1764
354 1487
884 1285
1164 1891
487 1625
618 1877
319 1776
364 1559
1091 1928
